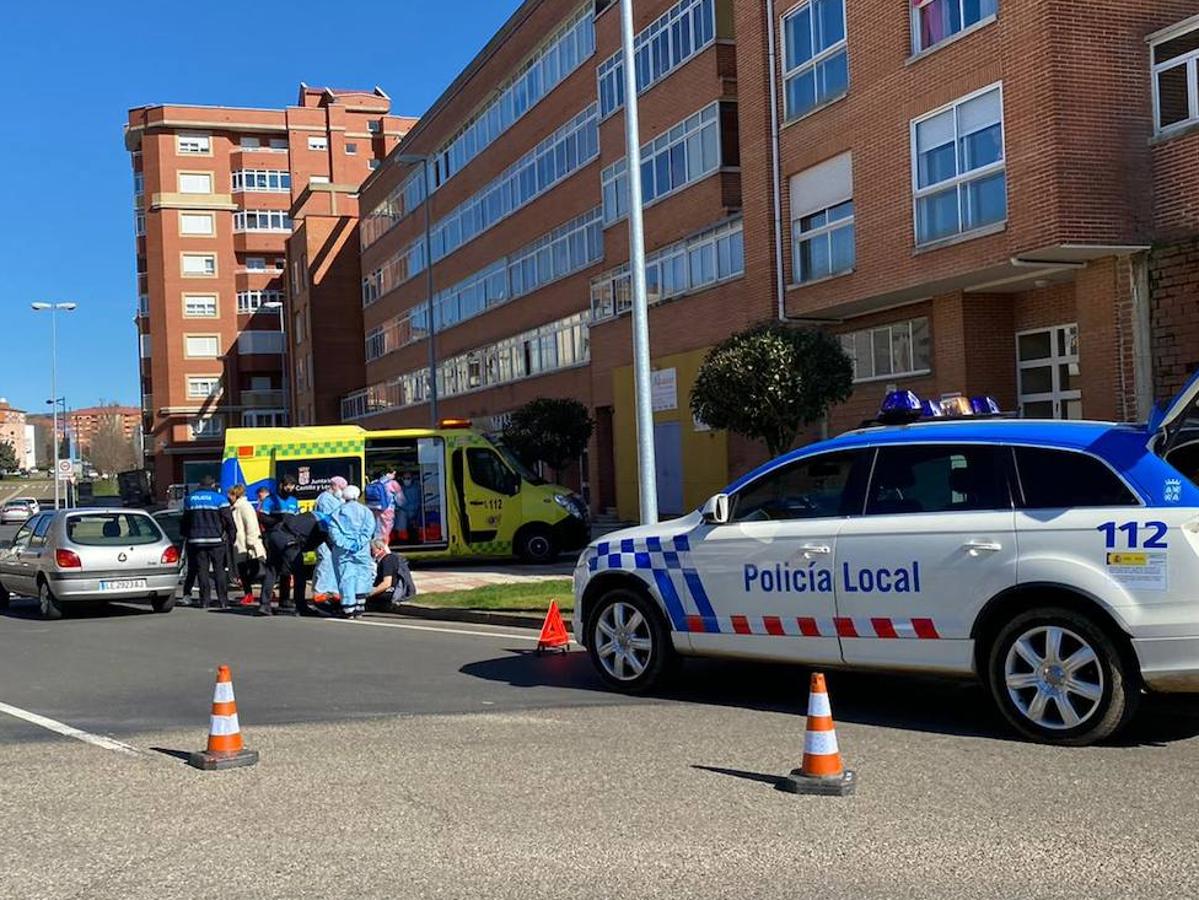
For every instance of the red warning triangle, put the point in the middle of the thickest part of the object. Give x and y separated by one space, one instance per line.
553 630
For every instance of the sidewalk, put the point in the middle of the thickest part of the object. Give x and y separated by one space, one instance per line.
434 579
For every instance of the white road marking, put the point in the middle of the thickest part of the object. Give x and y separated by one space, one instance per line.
95 740
490 634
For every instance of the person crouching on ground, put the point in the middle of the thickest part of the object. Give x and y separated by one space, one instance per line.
351 529
324 577
248 550
393 578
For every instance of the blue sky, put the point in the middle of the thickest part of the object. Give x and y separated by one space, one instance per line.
72 69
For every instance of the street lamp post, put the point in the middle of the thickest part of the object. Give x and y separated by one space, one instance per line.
286 378
643 397
423 159
54 308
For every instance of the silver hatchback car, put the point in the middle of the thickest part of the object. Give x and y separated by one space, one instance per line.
73 555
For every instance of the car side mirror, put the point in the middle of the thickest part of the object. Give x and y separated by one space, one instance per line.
716 510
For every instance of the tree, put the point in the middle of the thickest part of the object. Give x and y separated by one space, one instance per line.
771 380
110 450
8 457
552 430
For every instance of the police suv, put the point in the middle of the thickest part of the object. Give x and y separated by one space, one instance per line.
1056 561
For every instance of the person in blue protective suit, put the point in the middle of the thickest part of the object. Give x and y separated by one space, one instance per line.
351 530
324 577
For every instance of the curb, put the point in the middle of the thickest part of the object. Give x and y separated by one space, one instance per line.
474 616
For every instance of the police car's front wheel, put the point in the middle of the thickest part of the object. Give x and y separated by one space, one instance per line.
1060 679
628 642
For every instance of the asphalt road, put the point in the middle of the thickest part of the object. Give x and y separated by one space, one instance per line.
418 759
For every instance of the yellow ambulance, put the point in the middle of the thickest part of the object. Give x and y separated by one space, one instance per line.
459 494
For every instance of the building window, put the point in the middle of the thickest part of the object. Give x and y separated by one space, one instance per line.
689 151
822 231
251 342
318 142
256 263
252 301
144 345
139 183
898 350
678 34
958 168
143 306
1176 78
815 58
262 180
139 222
351 149
200 144
207 427
201 387
249 142
279 143
556 345
199 265
199 306
264 418
374 126
1047 369
201 346
261 220
935 20
195 182
564 52
374 164
197 224
688 266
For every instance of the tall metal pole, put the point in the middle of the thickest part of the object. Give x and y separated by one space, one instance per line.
54 393
429 287
647 480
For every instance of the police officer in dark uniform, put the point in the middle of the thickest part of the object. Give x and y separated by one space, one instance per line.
206 526
291 534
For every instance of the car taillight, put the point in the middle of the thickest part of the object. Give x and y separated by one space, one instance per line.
67 559
170 556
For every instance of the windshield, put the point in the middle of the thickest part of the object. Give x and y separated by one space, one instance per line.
112 529
521 469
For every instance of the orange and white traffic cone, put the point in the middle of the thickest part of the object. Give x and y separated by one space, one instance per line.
225 747
822 771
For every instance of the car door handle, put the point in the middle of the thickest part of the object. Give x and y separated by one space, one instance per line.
816 549
977 548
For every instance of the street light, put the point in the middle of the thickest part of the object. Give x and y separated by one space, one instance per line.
423 159
643 397
54 308
278 305
66 430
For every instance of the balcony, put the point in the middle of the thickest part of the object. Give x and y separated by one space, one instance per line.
270 399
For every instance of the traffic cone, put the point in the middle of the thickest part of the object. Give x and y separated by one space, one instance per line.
225 747
553 631
822 771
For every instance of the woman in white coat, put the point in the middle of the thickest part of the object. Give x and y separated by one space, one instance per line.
248 549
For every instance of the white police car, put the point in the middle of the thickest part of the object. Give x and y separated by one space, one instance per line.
1057 561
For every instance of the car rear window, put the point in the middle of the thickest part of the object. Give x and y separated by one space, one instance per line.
1061 479
101 529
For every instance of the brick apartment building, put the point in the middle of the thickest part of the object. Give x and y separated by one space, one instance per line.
85 422
13 431
213 194
995 196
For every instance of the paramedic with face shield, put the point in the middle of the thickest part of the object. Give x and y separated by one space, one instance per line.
351 529
325 576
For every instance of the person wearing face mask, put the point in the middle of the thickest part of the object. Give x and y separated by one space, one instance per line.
380 497
324 576
408 508
351 530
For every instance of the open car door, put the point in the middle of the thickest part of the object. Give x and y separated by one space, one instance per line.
1175 430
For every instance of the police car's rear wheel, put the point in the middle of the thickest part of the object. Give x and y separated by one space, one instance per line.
627 641
1060 679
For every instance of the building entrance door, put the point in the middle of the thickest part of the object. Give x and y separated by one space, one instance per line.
668 459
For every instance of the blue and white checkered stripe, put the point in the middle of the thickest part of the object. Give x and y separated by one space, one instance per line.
668 561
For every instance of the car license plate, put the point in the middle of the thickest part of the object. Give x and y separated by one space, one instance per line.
123 584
